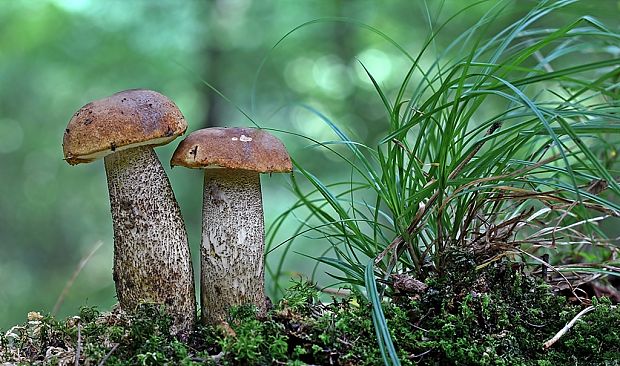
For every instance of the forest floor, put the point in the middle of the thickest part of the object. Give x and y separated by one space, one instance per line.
496 315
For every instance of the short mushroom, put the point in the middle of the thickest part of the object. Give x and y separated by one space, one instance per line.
151 252
232 250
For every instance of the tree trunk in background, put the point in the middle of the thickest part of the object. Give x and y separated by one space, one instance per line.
344 34
213 117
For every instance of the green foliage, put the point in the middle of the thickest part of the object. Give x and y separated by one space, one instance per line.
301 296
500 142
493 145
454 171
52 214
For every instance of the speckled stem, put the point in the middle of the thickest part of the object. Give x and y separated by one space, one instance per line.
232 271
151 253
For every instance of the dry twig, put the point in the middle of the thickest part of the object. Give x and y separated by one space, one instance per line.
570 324
105 358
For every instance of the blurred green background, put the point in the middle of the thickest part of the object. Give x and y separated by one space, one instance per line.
57 55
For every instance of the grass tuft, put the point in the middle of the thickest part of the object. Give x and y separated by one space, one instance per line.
500 147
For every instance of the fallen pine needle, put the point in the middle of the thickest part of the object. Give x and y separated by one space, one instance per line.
570 324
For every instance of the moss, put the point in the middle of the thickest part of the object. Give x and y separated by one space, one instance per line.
497 316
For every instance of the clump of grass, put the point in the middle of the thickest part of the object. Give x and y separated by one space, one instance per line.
496 137
500 147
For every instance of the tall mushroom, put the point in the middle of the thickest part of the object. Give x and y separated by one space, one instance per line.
151 253
232 270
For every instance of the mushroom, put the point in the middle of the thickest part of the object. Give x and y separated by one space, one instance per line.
151 252
232 250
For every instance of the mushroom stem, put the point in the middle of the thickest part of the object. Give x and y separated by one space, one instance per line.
232 243
151 253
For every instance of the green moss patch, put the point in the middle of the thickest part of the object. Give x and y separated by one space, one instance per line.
496 316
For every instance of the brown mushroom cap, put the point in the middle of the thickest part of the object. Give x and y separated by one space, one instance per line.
233 148
121 121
